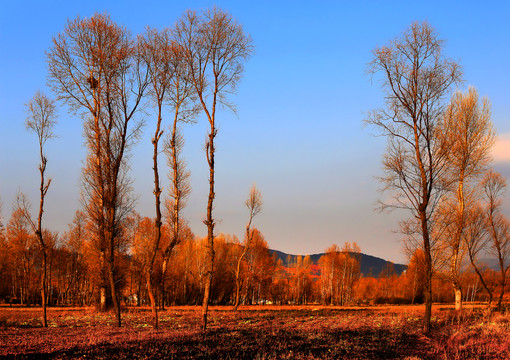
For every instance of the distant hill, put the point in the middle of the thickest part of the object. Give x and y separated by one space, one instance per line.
369 265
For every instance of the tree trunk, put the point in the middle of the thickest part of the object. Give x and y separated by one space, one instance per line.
111 275
162 282
238 282
158 223
458 298
428 270
482 280
502 284
102 289
210 227
454 267
43 289
153 300
238 270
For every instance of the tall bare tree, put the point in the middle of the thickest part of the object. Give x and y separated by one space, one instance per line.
41 120
469 137
157 54
168 85
494 186
182 99
254 205
215 47
95 68
416 77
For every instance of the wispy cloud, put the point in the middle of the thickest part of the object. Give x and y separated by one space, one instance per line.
501 150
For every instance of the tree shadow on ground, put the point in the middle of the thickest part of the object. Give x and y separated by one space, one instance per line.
256 343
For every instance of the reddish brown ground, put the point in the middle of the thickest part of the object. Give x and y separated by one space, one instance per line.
264 332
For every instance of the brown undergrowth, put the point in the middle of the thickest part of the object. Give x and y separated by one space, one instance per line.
256 333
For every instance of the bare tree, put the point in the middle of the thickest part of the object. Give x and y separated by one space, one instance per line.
41 120
416 79
254 205
494 186
215 47
468 128
157 53
95 68
182 100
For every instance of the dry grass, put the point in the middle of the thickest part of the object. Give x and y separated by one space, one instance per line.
263 332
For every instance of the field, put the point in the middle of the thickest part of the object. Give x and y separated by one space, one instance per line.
263 332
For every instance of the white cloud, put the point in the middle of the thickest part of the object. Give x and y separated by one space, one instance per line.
501 150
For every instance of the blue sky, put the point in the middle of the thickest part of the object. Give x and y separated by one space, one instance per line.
298 133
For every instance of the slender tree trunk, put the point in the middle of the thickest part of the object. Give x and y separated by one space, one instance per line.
426 187
482 280
176 183
238 270
111 275
153 300
428 271
455 280
102 288
454 266
162 282
502 284
331 279
158 223
43 289
98 173
43 190
210 227
501 260
238 282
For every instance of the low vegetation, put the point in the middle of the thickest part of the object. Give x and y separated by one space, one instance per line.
263 332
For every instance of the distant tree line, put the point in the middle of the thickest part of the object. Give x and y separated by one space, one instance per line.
74 272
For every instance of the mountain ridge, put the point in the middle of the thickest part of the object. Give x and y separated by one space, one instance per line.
369 265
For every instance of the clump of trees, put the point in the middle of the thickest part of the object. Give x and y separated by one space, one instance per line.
439 144
340 271
334 279
98 69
